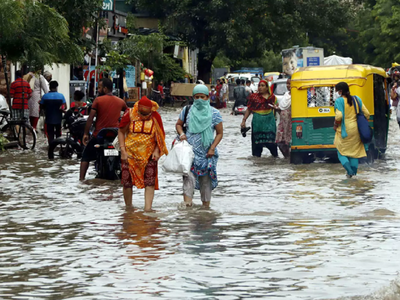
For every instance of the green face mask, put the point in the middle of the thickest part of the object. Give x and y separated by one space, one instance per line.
201 104
201 121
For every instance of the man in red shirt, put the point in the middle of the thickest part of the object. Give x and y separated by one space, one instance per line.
160 88
107 109
21 91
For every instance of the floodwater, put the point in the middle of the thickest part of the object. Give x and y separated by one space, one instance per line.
274 230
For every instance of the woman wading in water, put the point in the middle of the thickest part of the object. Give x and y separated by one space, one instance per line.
201 122
262 105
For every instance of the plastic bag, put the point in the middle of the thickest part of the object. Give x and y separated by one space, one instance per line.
179 159
116 143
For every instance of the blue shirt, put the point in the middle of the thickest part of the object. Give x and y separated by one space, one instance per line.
52 102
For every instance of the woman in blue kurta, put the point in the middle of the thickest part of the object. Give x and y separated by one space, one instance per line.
201 122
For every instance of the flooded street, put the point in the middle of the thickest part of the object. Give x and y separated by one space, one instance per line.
274 230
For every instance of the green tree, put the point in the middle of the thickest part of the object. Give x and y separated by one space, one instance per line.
149 50
245 29
11 25
35 34
79 14
379 34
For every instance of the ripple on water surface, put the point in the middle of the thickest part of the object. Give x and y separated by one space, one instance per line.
275 230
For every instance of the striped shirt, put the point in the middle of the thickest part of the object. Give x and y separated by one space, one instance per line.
21 92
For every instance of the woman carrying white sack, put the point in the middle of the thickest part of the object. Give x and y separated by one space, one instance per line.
201 122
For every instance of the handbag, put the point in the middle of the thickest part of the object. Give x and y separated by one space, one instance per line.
364 129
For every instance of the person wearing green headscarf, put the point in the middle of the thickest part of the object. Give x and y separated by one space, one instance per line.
201 120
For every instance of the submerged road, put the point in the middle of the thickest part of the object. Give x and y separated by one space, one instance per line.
274 230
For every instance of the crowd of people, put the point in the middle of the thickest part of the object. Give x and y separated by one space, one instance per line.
141 133
33 93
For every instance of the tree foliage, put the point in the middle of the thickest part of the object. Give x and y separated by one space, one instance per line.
370 35
246 29
34 34
39 34
79 14
149 50
379 32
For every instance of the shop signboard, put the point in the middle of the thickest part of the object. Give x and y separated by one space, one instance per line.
108 5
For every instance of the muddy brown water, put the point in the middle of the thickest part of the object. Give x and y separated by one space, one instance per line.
274 230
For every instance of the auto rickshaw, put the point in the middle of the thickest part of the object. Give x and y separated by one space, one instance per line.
313 113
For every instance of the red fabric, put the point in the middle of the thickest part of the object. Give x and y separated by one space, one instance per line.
157 116
258 102
33 121
150 174
161 89
21 91
125 120
266 83
73 104
145 102
108 110
218 88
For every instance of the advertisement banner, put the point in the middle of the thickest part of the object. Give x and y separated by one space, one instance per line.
291 60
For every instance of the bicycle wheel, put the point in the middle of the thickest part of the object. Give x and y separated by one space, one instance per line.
26 137
9 132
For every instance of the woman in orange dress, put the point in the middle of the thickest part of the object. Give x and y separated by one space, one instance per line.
142 140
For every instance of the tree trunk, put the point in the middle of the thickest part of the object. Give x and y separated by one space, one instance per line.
204 65
4 61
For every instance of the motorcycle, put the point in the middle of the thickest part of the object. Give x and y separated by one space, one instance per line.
108 162
240 110
66 147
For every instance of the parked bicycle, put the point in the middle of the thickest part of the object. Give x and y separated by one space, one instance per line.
17 130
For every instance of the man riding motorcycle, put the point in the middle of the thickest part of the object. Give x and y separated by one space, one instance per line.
107 109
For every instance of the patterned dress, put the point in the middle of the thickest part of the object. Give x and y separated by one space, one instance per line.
202 165
140 142
263 124
284 131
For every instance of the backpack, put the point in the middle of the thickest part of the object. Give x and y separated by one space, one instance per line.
184 126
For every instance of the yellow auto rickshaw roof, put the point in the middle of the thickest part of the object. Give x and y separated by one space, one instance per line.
330 75
271 73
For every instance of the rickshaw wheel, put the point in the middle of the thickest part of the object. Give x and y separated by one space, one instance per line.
296 158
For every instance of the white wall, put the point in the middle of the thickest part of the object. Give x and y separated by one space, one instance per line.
61 74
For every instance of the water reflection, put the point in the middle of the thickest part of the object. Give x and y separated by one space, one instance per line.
142 230
204 236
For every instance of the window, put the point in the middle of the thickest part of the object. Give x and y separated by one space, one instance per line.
321 96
